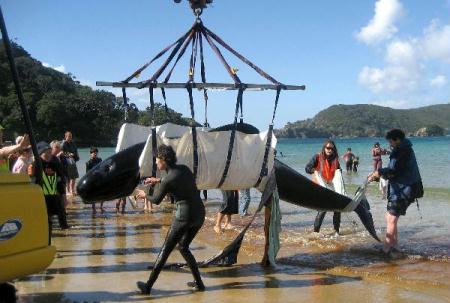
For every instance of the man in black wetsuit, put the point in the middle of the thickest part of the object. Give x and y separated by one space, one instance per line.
189 216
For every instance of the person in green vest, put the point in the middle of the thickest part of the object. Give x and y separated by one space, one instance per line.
52 181
8 150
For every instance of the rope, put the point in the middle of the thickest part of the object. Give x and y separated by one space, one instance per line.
264 170
232 136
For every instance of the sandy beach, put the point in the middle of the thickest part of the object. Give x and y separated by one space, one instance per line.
99 260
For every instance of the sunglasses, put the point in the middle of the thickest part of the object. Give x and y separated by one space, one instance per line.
328 148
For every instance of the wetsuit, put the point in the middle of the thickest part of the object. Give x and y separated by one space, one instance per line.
326 168
189 218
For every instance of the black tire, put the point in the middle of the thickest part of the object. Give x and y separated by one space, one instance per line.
7 293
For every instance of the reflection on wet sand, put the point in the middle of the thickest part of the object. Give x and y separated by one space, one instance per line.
100 259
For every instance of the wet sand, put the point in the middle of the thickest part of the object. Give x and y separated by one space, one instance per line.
100 259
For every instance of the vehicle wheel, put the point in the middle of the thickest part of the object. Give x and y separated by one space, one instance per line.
7 293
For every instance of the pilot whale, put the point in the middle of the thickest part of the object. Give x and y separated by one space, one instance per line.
118 176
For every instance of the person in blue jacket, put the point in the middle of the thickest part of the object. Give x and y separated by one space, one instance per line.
405 184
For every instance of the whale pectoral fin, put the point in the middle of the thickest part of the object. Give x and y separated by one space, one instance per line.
366 218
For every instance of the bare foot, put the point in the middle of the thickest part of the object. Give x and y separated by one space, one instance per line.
228 226
217 229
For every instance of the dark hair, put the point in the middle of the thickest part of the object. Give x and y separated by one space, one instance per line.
166 153
349 149
93 150
395 134
335 152
376 144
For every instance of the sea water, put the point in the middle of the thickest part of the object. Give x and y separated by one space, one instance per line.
423 234
433 156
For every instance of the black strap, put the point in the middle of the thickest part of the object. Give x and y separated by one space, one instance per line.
193 60
166 109
241 120
232 136
159 55
264 170
168 60
182 51
194 129
243 59
154 141
220 56
125 104
203 76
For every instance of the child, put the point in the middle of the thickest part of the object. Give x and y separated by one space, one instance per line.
355 164
93 161
52 180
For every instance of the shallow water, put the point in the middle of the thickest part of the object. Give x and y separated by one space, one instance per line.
101 258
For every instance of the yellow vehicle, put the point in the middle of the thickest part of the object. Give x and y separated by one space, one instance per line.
24 232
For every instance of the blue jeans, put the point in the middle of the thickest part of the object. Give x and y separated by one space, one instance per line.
244 202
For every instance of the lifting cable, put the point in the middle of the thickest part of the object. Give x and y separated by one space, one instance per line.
264 170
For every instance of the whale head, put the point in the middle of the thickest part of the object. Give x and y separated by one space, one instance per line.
115 177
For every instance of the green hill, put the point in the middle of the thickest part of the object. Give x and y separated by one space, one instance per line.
364 120
57 102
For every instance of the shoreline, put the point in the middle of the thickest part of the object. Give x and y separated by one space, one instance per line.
101 259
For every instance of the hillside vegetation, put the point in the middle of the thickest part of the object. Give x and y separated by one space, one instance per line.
364 120
57 102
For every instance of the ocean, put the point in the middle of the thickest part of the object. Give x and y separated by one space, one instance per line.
433 156
113 250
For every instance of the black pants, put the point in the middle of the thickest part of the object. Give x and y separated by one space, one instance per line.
55 206
349 165
319 219
181 233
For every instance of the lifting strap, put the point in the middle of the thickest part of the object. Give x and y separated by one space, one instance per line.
159 55
203 76
208 33
125 104
194 130
264 171
232 136
152 121
216 50
163 93
168 60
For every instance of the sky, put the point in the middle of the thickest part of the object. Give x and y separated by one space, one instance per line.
393 53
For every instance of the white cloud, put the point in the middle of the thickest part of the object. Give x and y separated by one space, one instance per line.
401 74
438 81
381 27
436 41
394 103
87 83
60 68
408 66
